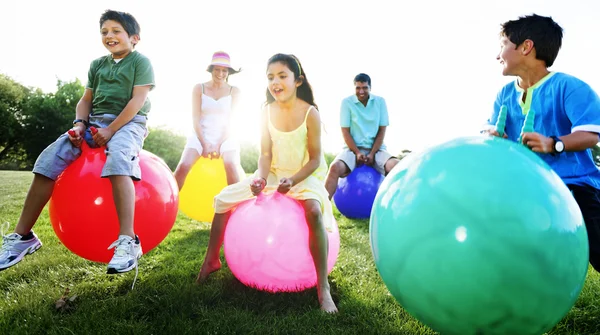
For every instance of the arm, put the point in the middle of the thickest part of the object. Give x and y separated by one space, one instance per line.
345 122
139 95
576 141
264 161
350 141
138 98
579 140
582 106
384 121
82 111
378 140
197 115
84 108
313 125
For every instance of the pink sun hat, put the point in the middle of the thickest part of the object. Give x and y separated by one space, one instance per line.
221 58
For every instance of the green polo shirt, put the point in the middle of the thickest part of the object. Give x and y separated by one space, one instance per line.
112 82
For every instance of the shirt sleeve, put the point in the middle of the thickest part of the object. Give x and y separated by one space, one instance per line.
91 75
144 73
383 114
345 118
582 107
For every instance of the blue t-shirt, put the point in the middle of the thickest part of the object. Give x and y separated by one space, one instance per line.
563 104
364 121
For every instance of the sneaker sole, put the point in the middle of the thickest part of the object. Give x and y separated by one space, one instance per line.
25 252
113 271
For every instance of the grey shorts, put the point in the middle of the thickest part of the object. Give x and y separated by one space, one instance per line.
348 157
122 150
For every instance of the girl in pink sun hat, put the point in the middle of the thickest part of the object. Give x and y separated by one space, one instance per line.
213 104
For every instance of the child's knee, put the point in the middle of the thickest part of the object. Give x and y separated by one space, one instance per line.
313 212
184 166
338 169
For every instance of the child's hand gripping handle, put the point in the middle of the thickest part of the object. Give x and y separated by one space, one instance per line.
93 130
528 124
501 123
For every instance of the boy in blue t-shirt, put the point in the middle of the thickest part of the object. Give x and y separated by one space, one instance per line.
565 110
115 102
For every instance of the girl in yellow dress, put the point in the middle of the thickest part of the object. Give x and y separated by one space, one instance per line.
291 162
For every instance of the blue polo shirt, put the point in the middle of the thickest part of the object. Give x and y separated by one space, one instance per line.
364 121
563 104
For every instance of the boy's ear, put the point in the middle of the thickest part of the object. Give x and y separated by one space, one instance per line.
527 47
135 39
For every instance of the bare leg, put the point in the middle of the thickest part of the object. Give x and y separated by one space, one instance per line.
188 158
319 248
38 196
212 261
389 165
124 197
336 170
232 166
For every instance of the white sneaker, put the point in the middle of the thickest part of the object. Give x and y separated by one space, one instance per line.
127 253
14 248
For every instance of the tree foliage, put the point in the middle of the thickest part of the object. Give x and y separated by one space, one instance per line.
12 98
48 115
166 144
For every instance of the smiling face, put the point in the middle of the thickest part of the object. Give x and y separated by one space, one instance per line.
116 40
509 56
281 82
362 91
219 73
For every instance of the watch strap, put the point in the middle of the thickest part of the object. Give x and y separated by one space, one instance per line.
85 123
556 140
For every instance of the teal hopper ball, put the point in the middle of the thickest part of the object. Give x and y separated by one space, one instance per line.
479 236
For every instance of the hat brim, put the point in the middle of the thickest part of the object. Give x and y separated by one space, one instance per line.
220 64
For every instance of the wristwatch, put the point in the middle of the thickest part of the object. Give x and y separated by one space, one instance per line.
559 146
85 123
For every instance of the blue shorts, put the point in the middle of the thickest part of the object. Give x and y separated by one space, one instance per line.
122 150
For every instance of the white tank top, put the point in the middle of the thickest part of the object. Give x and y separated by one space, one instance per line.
214 116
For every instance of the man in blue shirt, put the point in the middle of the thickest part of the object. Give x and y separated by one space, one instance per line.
566 113
364 119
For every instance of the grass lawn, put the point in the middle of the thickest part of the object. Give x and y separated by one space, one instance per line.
166 300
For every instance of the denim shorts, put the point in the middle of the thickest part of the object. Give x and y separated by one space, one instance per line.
122 150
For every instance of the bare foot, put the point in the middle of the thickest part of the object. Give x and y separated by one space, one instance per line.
326 301
206 269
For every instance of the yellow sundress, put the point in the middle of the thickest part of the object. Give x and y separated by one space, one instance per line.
289 155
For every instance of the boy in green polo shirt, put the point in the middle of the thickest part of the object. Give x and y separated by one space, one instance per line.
115 102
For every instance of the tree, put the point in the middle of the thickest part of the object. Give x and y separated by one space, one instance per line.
166 144
48 115
12 97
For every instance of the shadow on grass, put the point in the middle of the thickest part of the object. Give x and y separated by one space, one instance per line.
167 300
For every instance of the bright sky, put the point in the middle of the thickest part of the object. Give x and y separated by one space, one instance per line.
433 61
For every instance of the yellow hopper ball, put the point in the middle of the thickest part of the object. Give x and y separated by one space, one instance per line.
205 180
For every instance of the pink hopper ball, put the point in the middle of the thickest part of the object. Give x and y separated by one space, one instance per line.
266 245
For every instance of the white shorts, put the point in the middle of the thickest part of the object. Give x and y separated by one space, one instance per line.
228 145
348 157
